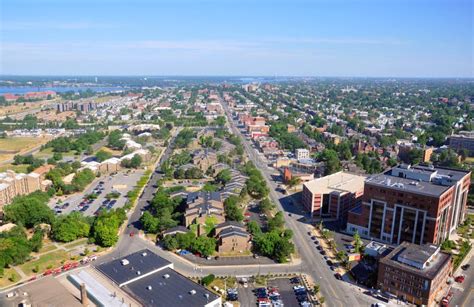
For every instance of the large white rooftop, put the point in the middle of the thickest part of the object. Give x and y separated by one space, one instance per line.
341 182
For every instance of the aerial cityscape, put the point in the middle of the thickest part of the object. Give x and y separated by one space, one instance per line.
236 153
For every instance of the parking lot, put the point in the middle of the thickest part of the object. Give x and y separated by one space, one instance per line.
279 292
121 182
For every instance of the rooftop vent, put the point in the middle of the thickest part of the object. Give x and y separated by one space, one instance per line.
144 254
139 273
166 276
149 288
192 292
125 262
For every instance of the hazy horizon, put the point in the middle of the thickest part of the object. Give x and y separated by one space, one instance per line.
355 38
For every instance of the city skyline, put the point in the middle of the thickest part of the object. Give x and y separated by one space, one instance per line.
238 38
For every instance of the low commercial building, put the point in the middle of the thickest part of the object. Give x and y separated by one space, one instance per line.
302 153
415 273
47 291
334 195
152 281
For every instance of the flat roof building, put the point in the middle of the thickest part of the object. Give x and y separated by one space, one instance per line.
415 273
151 280
418 204
333 195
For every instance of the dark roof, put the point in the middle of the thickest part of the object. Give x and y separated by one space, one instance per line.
407 185
230 223
206 195
410 251
143 261
172 290
233 231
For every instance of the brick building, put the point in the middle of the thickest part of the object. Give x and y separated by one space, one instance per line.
418 204
463 141
333 195
13 184
232 237
415 273
201 206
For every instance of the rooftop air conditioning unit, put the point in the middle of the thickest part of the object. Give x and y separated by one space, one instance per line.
192 292
144 254
125 262
166 276
149 288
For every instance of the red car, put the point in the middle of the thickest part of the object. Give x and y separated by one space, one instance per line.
132 234
57 271
48 272
247 214
459 279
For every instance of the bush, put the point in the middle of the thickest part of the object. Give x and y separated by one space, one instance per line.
207 280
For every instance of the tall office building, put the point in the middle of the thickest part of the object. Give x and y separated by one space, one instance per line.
417 204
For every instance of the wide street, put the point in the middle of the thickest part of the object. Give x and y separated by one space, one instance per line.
337 293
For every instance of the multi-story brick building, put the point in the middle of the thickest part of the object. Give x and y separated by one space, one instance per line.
418 204
201 206
414 273
232 237
13 184
334 195
463 141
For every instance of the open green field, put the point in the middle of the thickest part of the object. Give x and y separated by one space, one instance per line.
48 153
5 281
52 260
16 168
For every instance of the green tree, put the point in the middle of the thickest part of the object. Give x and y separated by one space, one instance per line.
103 155
232 210
70 227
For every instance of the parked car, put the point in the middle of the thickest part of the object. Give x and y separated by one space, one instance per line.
295 280
459 279
465 267
338 276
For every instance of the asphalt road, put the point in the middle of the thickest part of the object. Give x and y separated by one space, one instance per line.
337 293
464 293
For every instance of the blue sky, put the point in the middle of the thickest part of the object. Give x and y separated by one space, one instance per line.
399 38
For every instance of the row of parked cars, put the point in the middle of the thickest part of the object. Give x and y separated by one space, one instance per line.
267 297
332 265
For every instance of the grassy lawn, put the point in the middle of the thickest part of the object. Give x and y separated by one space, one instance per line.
48 152
17 168
75 243
4 280
18 143
470 160
111 151
47 248
52 260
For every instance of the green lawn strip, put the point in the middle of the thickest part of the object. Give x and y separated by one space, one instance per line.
51 260
75 243
47 248
5 279
22 168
